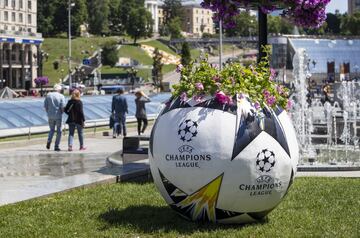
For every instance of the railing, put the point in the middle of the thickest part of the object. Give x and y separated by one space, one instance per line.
20 33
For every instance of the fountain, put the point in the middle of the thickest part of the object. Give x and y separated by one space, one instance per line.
327 133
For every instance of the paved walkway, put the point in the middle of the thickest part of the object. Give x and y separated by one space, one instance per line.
28 170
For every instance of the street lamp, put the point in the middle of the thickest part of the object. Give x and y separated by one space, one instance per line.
221 43
70 5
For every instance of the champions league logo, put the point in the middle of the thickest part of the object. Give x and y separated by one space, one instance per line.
187 130
187 156
265 162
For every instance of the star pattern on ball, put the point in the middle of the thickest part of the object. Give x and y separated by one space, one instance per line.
187 130
265 161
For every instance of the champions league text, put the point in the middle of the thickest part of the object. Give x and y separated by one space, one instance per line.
260 189
187 160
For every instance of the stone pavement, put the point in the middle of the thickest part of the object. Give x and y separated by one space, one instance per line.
28 170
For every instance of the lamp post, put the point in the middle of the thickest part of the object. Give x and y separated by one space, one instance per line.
70 5
221 43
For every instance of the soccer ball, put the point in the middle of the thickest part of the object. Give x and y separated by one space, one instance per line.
224 164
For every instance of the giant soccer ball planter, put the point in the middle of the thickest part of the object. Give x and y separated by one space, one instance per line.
222 163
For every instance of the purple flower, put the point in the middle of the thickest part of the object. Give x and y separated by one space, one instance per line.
198 98
183 97
257 105
41 81
280 89
179 68
271 100
241 96
199 86
222 98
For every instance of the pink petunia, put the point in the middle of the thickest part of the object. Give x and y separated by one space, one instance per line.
179 68
199 86
222 98
271 100
183 97
257 105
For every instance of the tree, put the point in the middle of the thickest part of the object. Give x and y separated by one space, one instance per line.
245 25
172 9
125 8
279 25
350 25
110 54
115 24
185 54
141 23
52 16
174 28
333 23
157 69
98 16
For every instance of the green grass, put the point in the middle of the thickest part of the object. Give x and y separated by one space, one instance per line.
57 48
136 53
314 207
161 46
195 53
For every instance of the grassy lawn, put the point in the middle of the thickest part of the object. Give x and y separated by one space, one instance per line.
136 53
314 207
57 48
161 46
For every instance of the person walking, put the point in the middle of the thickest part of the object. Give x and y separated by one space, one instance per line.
140 115
54 106
76 119
119 109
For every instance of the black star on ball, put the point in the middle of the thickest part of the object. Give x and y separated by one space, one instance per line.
187 130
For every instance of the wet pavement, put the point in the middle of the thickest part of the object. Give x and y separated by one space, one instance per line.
28 170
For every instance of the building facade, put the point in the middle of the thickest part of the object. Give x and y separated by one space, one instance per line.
198 20
353 6
20 52
152 6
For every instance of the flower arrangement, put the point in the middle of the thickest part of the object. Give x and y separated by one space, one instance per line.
305 13
41 81
256 82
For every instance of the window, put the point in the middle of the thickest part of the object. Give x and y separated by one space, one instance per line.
21 18
13 3
29 19
13 17
29 4
6 3
13 28
29 29
21 4
197 20
6 16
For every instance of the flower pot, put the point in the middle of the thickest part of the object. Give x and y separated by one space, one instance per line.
222 163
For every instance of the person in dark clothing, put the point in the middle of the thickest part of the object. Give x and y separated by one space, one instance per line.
140 115
76 119
119 108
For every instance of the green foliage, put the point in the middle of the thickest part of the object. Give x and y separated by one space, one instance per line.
234 79
185 54
174 28
115 23
277 24
245 25
98 16
333 23
350 25
172 9
140 23
314 207
110 54
157 69
52 16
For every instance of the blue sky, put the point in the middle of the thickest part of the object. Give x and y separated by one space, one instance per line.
333 5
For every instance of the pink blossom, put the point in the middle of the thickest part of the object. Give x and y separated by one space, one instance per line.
183 97
179 68
289 105
199 86
272 74
222 98
218 84
241 96
257 105
271 100
216 78
266 93
198 98
280 89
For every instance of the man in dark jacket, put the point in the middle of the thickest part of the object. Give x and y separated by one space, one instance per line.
119 108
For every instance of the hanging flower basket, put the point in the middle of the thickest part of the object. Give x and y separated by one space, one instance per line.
304 13
223 149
